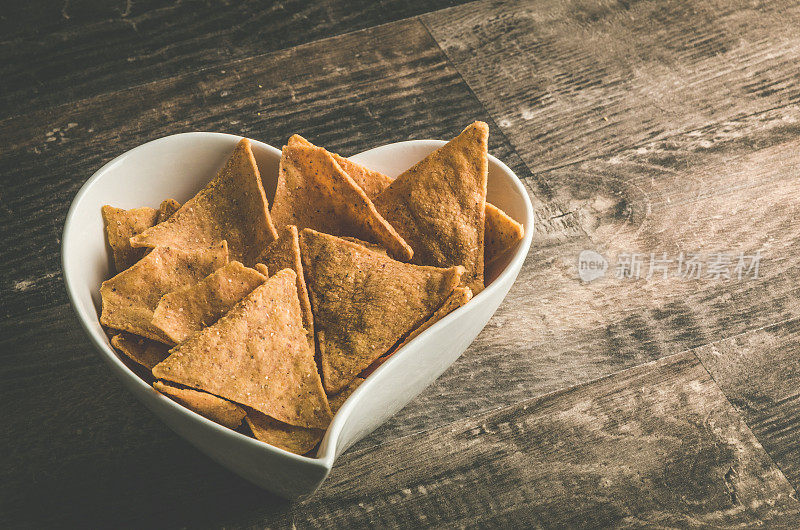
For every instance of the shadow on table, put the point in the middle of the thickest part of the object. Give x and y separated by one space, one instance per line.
85 453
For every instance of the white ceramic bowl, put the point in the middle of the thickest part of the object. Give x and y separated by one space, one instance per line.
177 166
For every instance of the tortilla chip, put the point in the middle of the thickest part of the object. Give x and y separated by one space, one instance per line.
364 302
207 405
167 209
502 233
297 440
457 298
121 225
232 207
256 355
371 246
338 400
284 253
372 182
438 205
314 192
140 350
260 267
181 313
130 297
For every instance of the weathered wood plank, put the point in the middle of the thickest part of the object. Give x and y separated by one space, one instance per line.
759 372
729 187
655 445
571 80
54 52
399 87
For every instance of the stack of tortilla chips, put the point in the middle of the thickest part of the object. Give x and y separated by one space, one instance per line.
265 319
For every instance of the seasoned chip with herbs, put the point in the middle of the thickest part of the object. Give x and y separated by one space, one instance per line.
183 312
256 355
130 297
438 205
313 191
232 207
364 302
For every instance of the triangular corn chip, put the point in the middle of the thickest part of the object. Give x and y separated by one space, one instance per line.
212 407
457 298
364 302
372 182
502 233
232 207
140 350
260 267
297 440
284 253
121 225
438 205
338 400
130 297
314 192
256 355
181 313
167 208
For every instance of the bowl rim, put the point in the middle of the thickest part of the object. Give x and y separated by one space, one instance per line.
326 453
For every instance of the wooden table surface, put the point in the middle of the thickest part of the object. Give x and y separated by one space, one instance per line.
641 127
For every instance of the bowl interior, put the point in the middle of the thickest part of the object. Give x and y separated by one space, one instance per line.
176 167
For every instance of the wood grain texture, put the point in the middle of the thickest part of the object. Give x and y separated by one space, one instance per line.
759 372
655 445
567 80
728 187
54 52
699 153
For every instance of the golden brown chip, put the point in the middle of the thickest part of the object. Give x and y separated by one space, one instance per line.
314 192
371 246
364 302
372 182
232 207
284 253
182 312
121 225
502 233
338 400
167 209
140 350
260 267
297 440
212 407
438 205
130 297
457 298
256 355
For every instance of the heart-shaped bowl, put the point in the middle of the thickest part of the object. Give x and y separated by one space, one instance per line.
176 167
